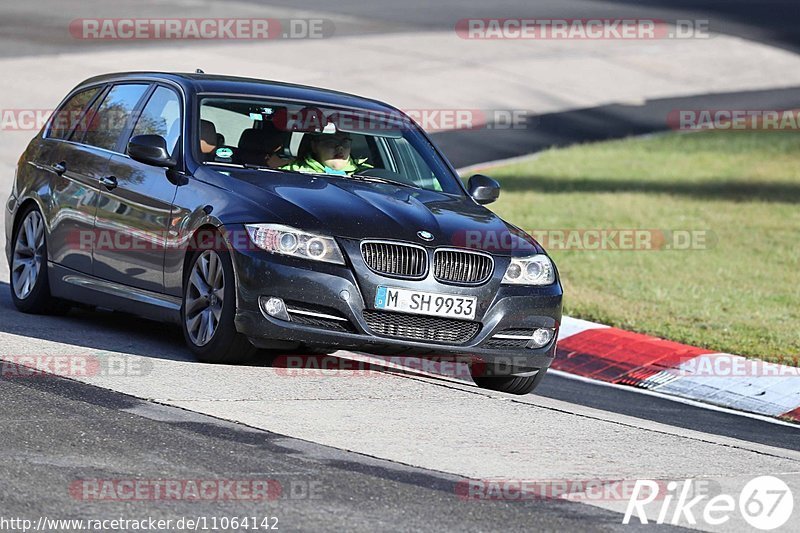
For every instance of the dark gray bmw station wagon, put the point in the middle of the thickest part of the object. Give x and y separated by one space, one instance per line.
269 218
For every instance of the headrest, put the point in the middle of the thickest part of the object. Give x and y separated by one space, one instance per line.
208 132
266 139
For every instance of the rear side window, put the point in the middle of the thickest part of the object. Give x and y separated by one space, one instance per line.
70 114
161 116
113 116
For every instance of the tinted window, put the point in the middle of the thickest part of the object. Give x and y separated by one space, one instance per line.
113 116
161 116
330 140
65 119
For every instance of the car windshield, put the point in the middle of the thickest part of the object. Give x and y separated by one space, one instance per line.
356 143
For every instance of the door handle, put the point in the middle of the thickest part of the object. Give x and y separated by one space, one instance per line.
59 168
109 182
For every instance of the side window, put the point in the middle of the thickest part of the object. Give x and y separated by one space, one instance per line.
83 125
359 149
161 116
414 166
113 115
68 116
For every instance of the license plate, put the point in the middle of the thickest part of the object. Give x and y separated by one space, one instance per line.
426 303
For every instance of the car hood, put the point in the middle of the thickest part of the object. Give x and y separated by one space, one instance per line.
355 209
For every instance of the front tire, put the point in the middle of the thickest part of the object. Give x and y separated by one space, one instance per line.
30 286
511 384
209 309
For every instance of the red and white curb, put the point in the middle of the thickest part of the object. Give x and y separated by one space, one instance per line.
612 355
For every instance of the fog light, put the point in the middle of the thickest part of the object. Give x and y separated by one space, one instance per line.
541 337
273 307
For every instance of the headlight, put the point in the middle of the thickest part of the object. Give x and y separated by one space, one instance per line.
534 270
291 241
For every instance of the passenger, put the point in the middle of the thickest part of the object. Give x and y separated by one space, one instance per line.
276 159
327 154
208 139
262 146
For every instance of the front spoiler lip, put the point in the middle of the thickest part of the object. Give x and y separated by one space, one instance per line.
251 324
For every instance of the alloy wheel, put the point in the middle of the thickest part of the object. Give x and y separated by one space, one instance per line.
205 297
26 262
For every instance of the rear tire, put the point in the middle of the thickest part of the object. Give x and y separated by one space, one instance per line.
209 309
30 286
511 384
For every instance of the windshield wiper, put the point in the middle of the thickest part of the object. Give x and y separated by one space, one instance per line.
357 177
362 177
238 165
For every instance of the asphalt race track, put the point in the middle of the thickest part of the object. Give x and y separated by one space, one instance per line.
61 430
383 450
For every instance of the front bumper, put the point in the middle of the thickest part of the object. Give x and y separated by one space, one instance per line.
347 291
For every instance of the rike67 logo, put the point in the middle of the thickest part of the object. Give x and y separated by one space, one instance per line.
766 503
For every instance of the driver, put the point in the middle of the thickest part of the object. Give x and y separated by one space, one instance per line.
327 153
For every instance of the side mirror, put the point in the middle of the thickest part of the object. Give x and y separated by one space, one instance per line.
150 150
483 189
